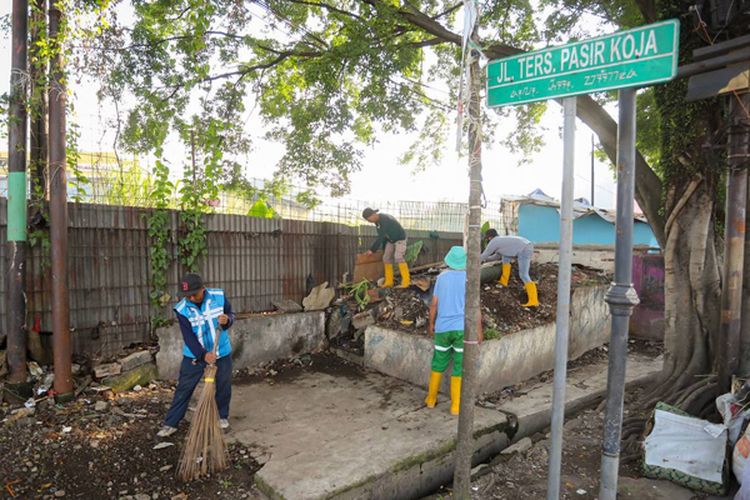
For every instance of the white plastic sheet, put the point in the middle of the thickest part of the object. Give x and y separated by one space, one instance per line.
739 458
690 445
744 493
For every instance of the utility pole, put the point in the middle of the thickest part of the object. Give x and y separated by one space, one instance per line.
59 214
621 297
465 443
592 171
16 245
562 322
734 238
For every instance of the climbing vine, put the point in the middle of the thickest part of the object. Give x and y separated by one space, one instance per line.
158 231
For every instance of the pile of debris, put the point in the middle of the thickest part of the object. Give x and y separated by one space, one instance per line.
135 367
407 310
104 445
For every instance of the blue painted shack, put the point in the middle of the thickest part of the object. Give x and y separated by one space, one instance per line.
536 217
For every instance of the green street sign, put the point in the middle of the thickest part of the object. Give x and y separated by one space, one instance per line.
632 58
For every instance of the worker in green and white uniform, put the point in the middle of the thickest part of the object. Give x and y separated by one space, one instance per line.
506 248
446 325
392 240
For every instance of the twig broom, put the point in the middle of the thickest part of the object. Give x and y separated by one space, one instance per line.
205 451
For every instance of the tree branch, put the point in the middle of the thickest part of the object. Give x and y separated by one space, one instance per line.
448 11
648 184
426 43
648 10
242 72
330 8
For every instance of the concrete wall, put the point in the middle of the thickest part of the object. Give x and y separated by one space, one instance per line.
598 257
538 223
255 340
503 362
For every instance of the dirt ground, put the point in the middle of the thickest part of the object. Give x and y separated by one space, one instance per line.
103 445
81 451
524 475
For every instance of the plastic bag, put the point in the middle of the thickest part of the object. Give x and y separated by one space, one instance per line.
734 417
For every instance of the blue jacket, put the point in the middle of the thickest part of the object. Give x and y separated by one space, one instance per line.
199 324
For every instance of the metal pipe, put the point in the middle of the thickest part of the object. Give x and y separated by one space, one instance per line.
465 439
565 260
734 241
16 299
592 171
59 217
621 296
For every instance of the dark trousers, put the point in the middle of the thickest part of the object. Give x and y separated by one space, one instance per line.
190 375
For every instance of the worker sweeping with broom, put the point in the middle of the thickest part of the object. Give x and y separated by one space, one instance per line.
205 316
506 248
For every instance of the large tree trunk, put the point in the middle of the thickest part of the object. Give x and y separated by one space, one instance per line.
692 287
692 302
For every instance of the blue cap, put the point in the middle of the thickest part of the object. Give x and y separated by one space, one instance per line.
456 258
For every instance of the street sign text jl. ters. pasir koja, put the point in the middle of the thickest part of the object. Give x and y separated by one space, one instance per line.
632 58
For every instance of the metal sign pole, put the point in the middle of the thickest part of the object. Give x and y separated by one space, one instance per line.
621 296
563 298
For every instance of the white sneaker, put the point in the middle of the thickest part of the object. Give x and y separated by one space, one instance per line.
224 424
166 431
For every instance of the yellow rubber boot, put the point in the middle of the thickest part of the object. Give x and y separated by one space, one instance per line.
455 395
403 268
433 389
388 283
531 293
505 277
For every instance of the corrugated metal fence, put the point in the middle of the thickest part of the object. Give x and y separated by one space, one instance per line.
256 261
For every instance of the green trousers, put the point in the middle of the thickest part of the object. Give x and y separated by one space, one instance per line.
447 345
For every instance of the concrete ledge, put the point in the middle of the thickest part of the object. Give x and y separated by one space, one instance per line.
584 386
255 340
502 362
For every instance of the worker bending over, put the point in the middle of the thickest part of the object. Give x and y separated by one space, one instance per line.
392 240
506 248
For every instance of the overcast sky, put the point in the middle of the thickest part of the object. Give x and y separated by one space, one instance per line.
383 177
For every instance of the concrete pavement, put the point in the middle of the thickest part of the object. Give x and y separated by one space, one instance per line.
353 435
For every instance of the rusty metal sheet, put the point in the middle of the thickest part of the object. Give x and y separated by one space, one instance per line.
719 82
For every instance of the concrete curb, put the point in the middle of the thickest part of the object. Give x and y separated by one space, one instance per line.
585 386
